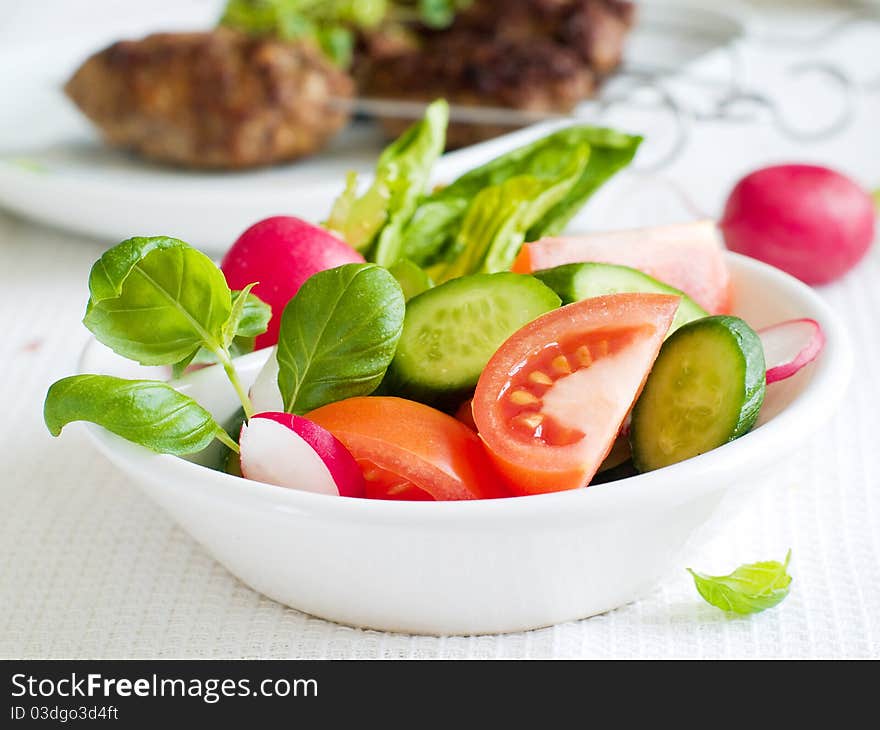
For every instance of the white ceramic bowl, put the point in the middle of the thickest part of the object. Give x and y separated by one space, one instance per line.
484 566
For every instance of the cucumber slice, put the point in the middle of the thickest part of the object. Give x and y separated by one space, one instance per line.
452 330
573 282
705 389
412 278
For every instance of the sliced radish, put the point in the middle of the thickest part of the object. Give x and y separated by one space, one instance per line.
265 395
788 346
291 451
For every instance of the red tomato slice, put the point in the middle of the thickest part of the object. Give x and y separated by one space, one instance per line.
552 400
465 414
408 450
689 257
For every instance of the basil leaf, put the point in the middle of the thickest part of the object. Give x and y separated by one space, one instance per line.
157 301
377 218
435 224
749 589
239 346
338 336
197 357
496 222
251 315
146 412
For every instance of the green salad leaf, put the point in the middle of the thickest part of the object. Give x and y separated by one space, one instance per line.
251 315
748 589
610 152
334 23
413 279
338 336
330 23
374 222
157 301
430 234
355 219
497 220
440 13
146 412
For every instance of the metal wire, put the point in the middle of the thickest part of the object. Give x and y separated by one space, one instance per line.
729 100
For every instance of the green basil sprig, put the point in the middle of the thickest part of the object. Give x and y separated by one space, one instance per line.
748 589
250 317
159 301
147 412
338 335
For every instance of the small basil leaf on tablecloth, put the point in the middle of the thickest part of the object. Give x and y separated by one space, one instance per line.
748 589
157 301
338 336
146 412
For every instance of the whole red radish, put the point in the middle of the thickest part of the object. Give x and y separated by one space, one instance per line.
281 253
810 221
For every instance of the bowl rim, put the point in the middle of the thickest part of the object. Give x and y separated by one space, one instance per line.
806 412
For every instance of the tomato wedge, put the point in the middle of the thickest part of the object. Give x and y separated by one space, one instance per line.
409 451
688 256
552 400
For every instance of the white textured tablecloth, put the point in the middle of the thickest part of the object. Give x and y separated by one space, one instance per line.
89 567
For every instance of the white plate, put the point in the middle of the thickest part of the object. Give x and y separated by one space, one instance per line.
53 169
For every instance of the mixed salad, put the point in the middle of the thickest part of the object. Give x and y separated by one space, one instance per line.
440 345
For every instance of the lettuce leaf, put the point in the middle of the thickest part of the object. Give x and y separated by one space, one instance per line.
430 235
375 221
495 224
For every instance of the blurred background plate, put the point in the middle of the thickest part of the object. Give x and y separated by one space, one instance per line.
54 169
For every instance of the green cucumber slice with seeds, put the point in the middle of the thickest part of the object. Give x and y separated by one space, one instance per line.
451 331
574 282
705 389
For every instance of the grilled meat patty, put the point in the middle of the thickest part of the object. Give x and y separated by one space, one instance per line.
536 55
219 99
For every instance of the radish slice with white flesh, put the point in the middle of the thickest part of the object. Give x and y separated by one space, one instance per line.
264 394
291 451
789 346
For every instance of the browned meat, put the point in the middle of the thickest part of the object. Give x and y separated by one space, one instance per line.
536 55
467 70
212 100
594 29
